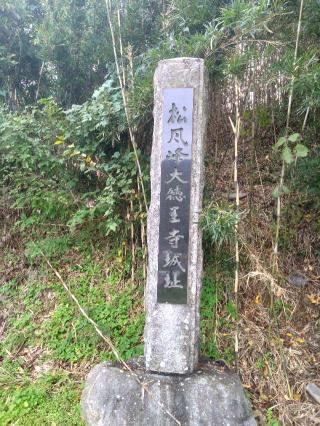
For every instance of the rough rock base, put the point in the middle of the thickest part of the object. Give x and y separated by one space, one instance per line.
210 396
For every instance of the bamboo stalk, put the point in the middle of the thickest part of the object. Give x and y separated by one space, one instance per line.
305 119
122 81
133 247
278 212
121 48
125 102
236 131
143 240
40 75
253 152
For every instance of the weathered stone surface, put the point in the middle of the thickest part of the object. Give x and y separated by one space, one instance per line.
211 396
172 331
314 391
298 280
233 195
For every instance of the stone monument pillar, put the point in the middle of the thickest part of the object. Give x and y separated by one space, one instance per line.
144 392
174 236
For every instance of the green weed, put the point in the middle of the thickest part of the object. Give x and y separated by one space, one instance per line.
51 400
271 421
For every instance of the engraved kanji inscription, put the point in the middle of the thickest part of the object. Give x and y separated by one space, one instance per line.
176 174
178 155
174 237
176 161
175 116
172 281
177 136
175 194
173 214
173 259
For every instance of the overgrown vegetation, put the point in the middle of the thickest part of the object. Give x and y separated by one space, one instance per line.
72 139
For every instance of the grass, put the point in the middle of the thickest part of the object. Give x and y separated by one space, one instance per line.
47 347
51 400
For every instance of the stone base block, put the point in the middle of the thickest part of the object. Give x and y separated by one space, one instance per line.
211 396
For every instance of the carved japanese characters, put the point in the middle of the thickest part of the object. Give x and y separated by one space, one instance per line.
175 196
